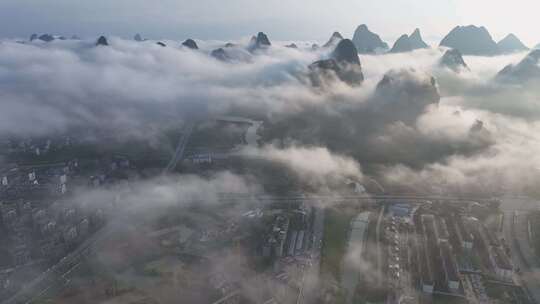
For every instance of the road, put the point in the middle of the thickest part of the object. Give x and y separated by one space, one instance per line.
379 239
180 148
347 198
310 278
515 232
355 250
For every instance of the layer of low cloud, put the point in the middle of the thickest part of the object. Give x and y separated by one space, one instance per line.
316 165
50 88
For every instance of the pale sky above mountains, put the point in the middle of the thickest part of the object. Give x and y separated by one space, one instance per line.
282 20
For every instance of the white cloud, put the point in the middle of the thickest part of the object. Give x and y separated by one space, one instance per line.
314 164
47 87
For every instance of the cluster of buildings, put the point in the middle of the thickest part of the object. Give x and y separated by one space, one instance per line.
111 171
40 223
29 209
38 230
289 243
287 236
36 146
206 157
281 243
438 266
495 254
446 250
43 180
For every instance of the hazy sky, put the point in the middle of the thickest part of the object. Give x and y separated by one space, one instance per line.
283 20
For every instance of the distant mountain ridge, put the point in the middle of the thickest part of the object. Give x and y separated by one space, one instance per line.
46 37
511 44
343 63
191 44
417 40
527 69
410 43
259 42
102 41
367 42
334 40
471 40
346 52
